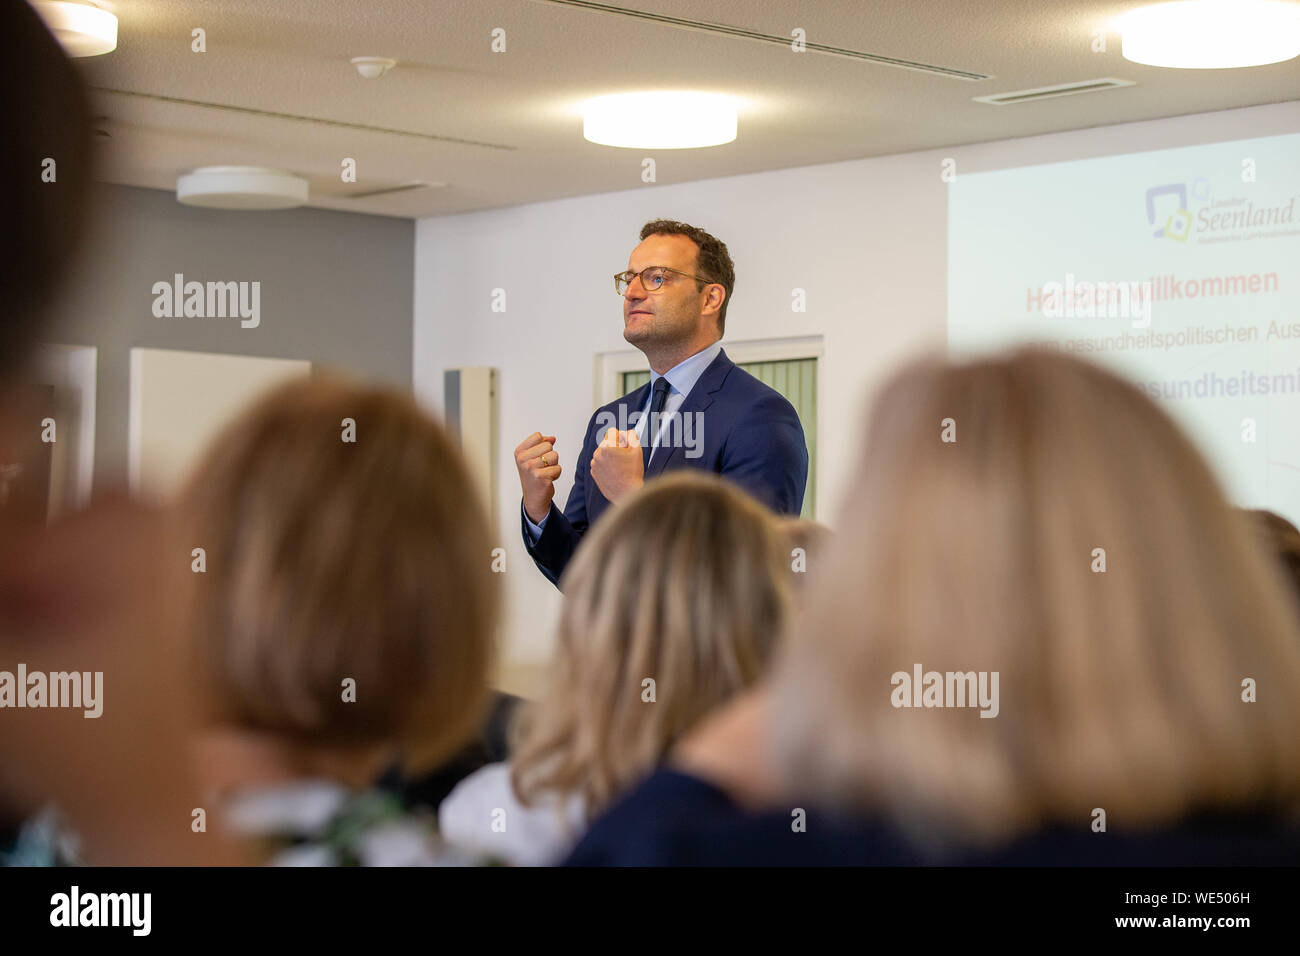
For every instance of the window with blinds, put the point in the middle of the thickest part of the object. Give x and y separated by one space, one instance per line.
796 379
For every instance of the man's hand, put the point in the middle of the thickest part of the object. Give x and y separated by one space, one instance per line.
539 466
617 467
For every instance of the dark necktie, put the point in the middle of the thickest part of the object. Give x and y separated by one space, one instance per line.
652 429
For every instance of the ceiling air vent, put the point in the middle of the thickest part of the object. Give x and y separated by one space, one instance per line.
744 33
389 190
1046 92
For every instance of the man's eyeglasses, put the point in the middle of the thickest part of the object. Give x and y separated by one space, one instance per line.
652 278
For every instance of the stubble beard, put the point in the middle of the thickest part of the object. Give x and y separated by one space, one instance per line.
665 336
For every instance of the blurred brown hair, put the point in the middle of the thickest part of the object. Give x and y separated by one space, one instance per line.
1120 690
329 560
684 582
1281 539
44 113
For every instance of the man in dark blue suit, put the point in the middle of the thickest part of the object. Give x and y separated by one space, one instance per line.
699 410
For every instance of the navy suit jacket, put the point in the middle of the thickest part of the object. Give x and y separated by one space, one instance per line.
750 434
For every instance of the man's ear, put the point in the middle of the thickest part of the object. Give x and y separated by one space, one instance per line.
714 296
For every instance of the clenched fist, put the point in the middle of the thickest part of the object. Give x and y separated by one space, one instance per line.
617 466
539 466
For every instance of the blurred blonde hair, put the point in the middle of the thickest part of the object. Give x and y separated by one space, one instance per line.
812 537
329 560
685 583
1120 690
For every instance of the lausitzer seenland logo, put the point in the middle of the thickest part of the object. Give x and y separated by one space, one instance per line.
946 689
1178 224
211 300
1212 218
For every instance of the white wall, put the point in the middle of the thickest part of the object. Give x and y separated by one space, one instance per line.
180 402
866 239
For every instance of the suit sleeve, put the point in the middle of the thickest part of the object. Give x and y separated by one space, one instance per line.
765 453
563 529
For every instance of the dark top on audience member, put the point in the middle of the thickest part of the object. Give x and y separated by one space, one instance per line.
674 819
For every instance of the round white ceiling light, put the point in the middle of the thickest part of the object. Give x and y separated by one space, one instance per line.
81 29
241 187
1211 34
372 67
660 120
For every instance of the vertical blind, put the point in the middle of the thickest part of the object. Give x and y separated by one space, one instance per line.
796 379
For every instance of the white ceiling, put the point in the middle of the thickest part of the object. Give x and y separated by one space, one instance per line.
275 88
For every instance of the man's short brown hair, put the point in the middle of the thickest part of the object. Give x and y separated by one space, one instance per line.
712 261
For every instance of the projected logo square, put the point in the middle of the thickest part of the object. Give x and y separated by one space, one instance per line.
1179 226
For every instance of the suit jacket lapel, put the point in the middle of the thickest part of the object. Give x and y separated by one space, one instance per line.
700 398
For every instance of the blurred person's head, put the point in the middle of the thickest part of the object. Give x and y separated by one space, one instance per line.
45 176
1071 540
805 542
44 115
336 565
1281 539
684 584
